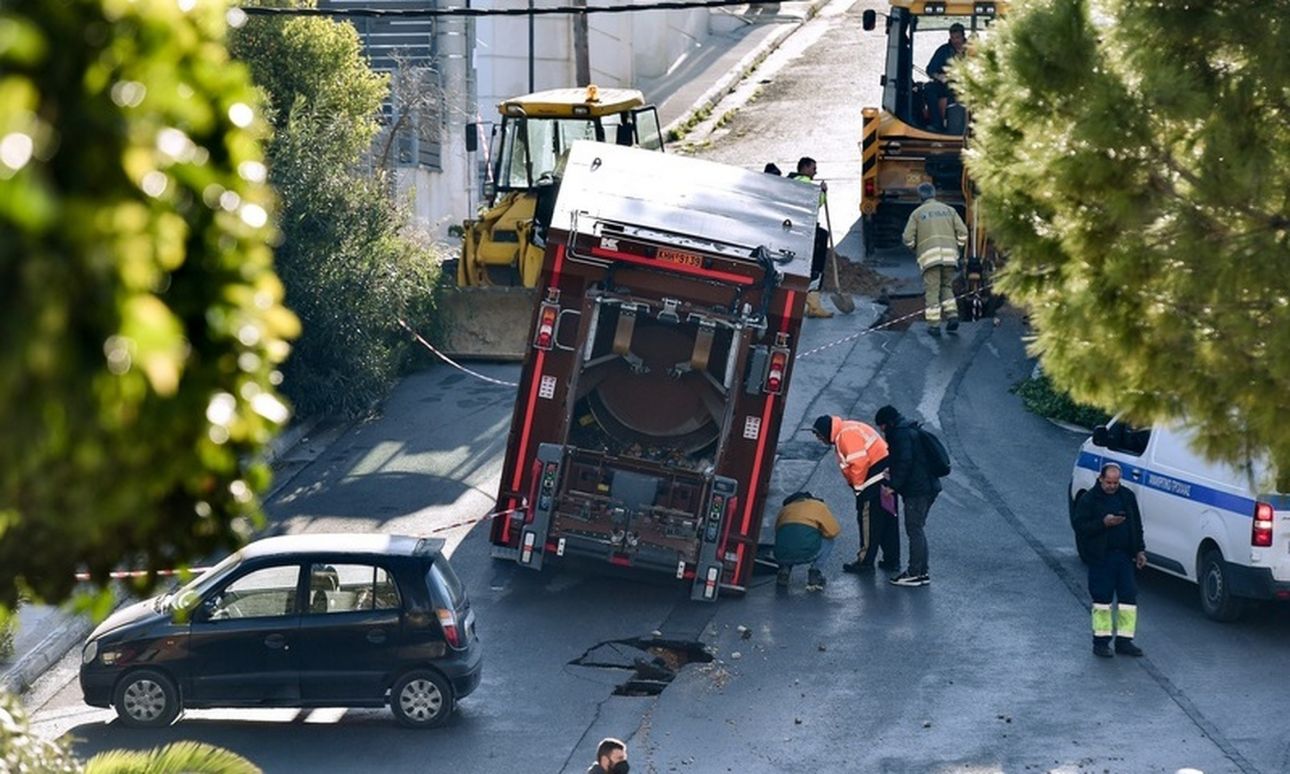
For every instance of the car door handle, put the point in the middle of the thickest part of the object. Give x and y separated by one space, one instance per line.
276 641
376 636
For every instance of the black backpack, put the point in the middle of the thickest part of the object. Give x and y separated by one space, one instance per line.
937 456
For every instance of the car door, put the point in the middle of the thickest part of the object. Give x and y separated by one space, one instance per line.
241 640
350 633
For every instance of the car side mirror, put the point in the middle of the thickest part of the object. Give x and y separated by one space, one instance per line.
870 20
472 137
1101 436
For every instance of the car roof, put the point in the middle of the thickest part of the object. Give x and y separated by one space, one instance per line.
356 543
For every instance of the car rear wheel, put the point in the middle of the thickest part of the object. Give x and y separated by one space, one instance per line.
1216 589
146 698
421 699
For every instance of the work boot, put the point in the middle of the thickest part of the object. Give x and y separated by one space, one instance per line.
952 326
783 577
934 330
814 307
814 580
1101 647
1125 647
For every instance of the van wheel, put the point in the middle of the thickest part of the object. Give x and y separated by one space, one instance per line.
1216 590
147 699
421 699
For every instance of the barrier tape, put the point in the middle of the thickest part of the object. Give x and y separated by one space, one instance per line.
452 362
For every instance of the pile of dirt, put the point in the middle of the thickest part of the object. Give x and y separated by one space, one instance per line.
857 278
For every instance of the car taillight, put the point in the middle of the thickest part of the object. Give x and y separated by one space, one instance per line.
451 632
546 326
1261 534
775 371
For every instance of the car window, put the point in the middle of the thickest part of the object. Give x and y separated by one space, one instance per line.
345 588
262 593
446 583
1123 437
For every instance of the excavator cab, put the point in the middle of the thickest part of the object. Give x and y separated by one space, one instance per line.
501 255
907 141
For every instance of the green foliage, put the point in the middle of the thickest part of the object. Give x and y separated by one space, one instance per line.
23 751
349 267
1042 398
1135 160
142 321
185 757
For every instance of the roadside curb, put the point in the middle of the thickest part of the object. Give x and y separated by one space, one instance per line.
73 629
746 65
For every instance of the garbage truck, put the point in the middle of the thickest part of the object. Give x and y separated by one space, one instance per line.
659 358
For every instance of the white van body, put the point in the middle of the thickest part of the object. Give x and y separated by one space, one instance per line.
1213 524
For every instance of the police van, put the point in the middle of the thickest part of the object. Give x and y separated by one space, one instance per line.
1211 523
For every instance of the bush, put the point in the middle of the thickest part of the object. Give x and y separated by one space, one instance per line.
1040 397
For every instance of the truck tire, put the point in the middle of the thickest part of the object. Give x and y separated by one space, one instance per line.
1215 588
146 698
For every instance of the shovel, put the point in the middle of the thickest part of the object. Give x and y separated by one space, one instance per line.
840 300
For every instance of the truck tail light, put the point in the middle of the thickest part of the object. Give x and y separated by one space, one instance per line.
451 631
870 188
526 548
545 337
1261 534
775 371
710 583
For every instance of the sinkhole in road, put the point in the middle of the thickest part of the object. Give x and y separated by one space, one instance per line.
653 663
902 310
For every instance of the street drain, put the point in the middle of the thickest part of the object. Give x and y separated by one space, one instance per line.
653 663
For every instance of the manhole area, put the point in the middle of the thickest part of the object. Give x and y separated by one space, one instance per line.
650 664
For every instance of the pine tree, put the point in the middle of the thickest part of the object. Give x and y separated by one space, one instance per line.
1133 159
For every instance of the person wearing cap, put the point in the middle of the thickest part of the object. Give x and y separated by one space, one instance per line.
1108 526
938 88
935 233
805 531
862 456
912 478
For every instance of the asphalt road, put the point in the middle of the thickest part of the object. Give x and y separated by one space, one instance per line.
987 669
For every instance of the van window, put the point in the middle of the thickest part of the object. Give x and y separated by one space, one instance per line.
446 583
1125 438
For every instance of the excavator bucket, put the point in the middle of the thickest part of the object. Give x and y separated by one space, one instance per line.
487 323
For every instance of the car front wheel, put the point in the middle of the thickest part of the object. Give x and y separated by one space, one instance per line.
146 698
421 699
1216 589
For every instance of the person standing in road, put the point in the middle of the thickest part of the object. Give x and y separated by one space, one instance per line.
1109 528
862 456
912 478
804 534
938 89
819 257
611 758
935 233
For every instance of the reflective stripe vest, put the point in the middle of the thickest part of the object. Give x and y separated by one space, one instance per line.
859 446
935 232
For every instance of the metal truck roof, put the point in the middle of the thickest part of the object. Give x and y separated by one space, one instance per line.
591 101
701 200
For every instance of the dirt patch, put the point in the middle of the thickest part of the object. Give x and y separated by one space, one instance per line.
858 279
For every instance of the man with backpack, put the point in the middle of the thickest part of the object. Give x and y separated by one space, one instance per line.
916 462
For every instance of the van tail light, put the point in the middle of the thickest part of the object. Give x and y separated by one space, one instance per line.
546 326
451 630
775 371
1261 534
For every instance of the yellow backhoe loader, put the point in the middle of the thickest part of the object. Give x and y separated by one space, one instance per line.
911 139
487 314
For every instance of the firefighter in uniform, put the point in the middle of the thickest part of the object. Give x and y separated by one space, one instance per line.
862 456
819 257
935 232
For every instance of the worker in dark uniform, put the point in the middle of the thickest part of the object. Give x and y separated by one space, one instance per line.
1109 527
611 758
938 88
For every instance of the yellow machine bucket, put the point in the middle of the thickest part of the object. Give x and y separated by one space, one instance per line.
487 323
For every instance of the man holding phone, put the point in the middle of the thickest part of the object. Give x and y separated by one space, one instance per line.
1109 527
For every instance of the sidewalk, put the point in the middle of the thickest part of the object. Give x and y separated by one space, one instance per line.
742 37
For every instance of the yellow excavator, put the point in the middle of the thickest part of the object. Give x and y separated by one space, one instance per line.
914 138
487 313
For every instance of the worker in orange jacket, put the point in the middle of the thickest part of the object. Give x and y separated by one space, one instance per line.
862 456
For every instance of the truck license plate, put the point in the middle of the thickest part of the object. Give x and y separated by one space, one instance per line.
677 256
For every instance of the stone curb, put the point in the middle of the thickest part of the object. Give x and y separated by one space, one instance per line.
73 629
731 79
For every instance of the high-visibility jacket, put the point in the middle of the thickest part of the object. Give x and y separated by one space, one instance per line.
859 448
935 232
799 177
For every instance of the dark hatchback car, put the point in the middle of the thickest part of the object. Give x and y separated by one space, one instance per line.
346 620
